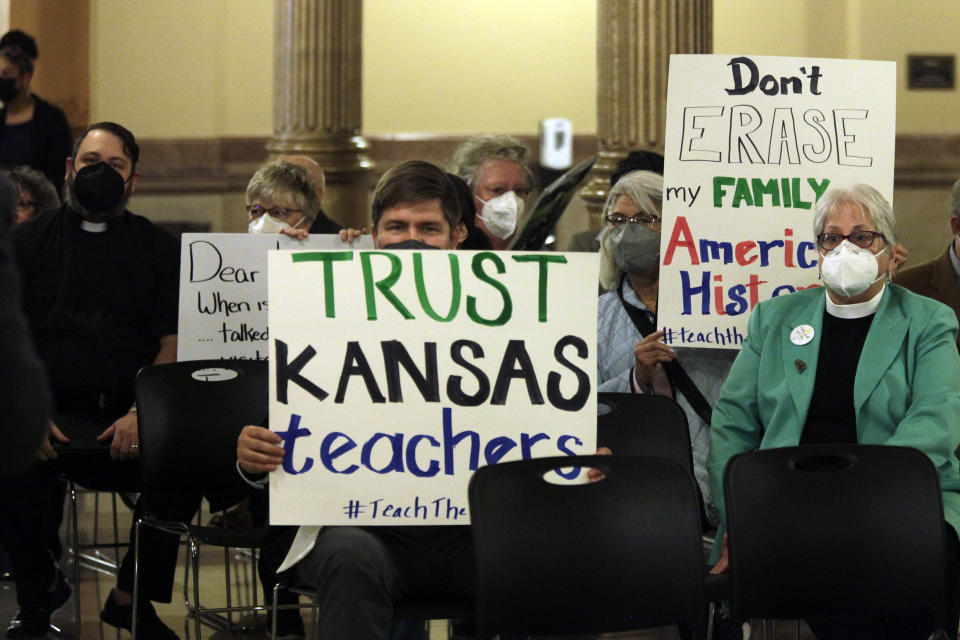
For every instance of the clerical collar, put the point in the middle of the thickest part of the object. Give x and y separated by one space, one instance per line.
93 227
857 309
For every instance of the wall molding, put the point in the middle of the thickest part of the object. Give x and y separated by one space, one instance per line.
218 165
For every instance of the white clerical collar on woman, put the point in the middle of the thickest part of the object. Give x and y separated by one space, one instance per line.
857 309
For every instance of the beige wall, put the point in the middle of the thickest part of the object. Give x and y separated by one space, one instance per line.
182 68
867 29
188 68
478 65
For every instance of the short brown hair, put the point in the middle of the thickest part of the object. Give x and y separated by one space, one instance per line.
413 182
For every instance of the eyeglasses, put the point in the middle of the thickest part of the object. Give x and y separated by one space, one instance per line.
863 239
279 213
641 218
25 205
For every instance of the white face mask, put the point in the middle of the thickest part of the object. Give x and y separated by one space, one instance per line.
500 214
268 224
849 270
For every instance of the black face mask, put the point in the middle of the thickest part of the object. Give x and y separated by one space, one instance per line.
98 187
8 89
409 244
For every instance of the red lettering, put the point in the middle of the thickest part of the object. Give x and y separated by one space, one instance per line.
754 287
742 249
718 295
788 248
681 229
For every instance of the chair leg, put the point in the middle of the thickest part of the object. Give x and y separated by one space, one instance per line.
136 579
226 578
74 525
274 611
195 556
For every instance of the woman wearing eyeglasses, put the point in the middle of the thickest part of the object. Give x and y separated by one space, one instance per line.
281 199
631 357
858 360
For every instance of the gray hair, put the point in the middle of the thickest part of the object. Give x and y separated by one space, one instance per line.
279 179
41 190
470 156
868 199
645 189
955 201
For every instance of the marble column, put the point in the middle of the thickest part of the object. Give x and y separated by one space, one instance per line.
317 98
634 41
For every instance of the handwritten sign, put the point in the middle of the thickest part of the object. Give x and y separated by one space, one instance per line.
751 144
395 375
223 291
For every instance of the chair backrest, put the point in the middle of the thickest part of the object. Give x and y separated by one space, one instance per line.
644 425
190 414
840 530
622 553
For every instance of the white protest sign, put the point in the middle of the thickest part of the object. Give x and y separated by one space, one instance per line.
223 291
751 143
395 374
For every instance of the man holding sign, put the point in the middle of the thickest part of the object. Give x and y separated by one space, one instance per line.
361 572
358 568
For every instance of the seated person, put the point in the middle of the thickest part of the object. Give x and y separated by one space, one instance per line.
497 170
630 356
470 237
361 572
318 180
281 199
360 568
857 332
35 194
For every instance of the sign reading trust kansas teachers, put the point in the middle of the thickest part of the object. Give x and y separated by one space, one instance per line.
751 144
395 374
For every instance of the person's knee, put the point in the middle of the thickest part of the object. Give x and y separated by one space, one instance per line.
348 555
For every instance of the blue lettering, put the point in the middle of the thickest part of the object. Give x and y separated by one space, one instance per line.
289 440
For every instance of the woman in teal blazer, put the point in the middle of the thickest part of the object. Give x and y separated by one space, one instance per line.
855 361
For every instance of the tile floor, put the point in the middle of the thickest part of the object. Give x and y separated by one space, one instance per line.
95 514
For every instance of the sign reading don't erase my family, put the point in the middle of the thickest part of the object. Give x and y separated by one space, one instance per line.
223 291
395 374
752 143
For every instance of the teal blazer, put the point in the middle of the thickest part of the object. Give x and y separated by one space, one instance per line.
906 391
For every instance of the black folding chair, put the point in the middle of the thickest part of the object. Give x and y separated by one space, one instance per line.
190 415
842 531
622 553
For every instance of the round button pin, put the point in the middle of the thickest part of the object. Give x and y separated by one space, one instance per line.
802 335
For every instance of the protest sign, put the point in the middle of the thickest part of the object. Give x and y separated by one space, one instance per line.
751 143
223 291
394 375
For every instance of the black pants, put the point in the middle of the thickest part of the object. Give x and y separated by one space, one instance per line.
361 572
24 532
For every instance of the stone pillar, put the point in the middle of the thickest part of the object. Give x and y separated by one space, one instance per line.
634 41
317 98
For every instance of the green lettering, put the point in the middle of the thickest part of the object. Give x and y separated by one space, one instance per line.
770 188
327 258
818 187
543 260
718 191
422 289
383 285
742 194
477 268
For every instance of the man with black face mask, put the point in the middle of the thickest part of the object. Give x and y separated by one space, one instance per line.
100 290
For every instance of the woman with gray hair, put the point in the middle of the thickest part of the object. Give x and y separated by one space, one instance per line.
631 357
281 199
858 360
